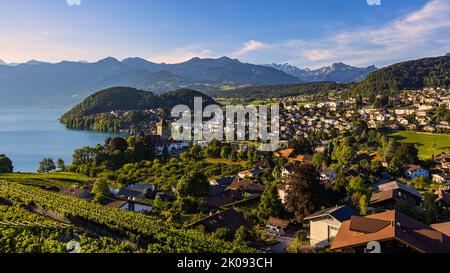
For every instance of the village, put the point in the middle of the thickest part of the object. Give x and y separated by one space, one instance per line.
394 215
412 110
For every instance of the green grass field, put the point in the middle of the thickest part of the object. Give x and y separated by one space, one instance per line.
427 144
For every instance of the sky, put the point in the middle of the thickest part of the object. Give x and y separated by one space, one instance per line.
305 33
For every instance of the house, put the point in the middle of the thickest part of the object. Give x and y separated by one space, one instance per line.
130 205
292 156
166 195
134 191
328 174
277 226
442 227
403 189
284 153
225 182
302 159
282 192
225 198
324 224
215 190
414 171
395 232
247 186
442 198
441 178
229 219
442 157
250 173
264 164
389 198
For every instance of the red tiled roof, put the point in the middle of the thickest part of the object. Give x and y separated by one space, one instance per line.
286 153
387 226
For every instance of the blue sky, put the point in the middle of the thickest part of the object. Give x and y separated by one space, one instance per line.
304 33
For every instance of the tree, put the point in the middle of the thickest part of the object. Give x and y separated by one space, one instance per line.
100 189
221 234
270 203
356 189
118 144
60 164
420 182
305 193
242 155
430 209
213 150
6 165
363 205
194 184
46 165
195 152
157 204
319 160
387 148
376 167
406 154
343 154
225 152
243 236
357 184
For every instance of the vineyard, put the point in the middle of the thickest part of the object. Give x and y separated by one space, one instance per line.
60 179
159 237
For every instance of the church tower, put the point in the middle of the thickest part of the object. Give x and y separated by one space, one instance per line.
163 130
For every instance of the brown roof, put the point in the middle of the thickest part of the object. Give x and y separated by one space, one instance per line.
387 226
247 185
278 222
412 168
383 196
442 227
367 225
229 219
302 158
394 185
117 204
394 194
286 153
218 201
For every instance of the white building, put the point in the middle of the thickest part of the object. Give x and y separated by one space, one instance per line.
325 224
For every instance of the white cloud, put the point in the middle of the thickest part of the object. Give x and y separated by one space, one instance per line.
250 46
74 2
421 33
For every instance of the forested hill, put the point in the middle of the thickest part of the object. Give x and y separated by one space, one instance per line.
427 72
89 113
126 98
250 93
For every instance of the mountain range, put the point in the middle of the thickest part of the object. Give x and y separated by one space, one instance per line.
338 72
66 83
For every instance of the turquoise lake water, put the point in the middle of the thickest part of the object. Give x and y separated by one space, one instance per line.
29 135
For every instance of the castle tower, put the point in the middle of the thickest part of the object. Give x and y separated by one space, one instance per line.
163 130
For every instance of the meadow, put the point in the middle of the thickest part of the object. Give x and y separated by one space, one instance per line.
427 144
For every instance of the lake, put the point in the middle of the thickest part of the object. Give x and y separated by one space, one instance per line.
29 135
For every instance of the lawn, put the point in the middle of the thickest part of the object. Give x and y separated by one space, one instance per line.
427 144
